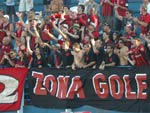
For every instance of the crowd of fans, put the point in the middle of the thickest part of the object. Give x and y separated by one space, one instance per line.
82 38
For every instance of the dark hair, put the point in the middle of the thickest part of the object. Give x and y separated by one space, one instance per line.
122 41
82 7
66 6
110 45
130 11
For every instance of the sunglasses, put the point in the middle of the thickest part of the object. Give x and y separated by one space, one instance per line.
11 53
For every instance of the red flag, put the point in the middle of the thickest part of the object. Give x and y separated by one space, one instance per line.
11 88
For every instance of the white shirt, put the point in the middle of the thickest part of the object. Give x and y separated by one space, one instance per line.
148 8
82 2
10 2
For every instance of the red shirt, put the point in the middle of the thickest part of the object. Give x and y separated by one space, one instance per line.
82 19
107 9
3 33
69 21
94 19
139 55
145 18
5 48
121 12
45 36
18 33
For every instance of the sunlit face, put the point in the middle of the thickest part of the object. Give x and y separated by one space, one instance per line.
76 48
138 42
73 15
142 10
92 10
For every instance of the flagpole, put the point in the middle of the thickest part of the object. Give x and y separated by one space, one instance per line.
22 104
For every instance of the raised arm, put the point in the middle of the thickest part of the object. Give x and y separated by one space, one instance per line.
117 14
142 23
76 36
28 45
51 35
59 31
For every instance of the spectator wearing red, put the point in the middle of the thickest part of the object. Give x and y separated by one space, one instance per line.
92 32
19 29
6 26
93 18
22 60
143 20
38 59
46 25
107 11
81 16
9 59
138 54
68 17
6 46
129 35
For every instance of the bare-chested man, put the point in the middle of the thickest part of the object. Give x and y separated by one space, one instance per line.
122 53
78 55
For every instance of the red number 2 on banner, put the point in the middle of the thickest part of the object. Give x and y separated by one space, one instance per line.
8 94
